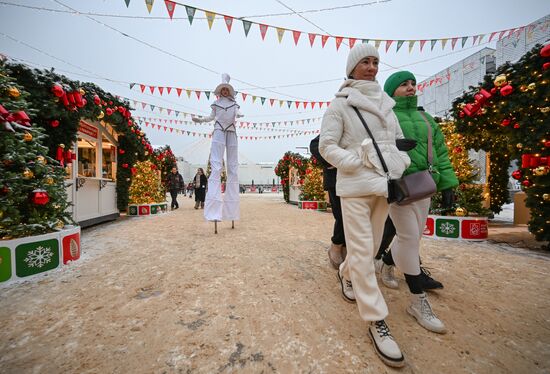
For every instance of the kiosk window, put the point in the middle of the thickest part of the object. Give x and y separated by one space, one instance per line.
86 158
108 168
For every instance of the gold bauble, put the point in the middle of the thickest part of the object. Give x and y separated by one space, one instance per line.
546 197
461 212
82 92
41 160
59 225
531 86
101 115
49 180
545 109
27 137
28 174
523 88
540 171
519 145
500 80
14 92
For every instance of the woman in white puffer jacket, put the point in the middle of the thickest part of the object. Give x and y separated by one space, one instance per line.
362 185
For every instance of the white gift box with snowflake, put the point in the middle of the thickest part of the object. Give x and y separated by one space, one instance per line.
462 228
32 255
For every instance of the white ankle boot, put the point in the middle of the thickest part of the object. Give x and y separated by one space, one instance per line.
386 274
385 345
421 309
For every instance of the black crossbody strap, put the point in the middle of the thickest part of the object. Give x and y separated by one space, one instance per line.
373 141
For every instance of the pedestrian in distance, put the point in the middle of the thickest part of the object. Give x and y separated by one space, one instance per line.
200 184
174 184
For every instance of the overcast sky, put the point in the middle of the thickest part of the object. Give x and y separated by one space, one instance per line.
175 53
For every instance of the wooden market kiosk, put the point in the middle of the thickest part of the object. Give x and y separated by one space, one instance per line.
91 177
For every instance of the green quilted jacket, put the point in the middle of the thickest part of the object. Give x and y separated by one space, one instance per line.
414 127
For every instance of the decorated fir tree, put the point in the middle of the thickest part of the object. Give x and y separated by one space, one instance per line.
33 199
508 117
146 185
469 196
312 189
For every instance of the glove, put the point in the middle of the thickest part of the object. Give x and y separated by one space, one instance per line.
405 144
447 198
195 119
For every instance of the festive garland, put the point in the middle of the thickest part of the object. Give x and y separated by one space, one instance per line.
295 160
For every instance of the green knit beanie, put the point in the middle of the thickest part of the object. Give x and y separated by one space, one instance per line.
396 79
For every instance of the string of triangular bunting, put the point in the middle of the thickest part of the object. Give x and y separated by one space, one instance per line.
209 135
241 124
228 20
161 90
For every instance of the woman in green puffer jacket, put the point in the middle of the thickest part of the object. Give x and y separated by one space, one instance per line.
410 219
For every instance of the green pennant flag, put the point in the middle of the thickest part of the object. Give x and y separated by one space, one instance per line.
464 39
190 13
432 44
132 85
365 41
127 3
289 103
399 44
262 99
246 25
207 93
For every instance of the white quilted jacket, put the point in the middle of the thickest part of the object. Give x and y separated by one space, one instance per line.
345 143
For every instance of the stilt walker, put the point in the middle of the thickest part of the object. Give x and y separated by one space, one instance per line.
225 110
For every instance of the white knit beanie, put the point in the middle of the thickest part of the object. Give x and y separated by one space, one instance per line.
359 52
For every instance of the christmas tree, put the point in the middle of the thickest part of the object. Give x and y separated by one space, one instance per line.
469 196
33 199
508 117
146 185
312 189
290 160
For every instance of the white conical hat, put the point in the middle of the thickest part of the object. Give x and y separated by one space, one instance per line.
225 83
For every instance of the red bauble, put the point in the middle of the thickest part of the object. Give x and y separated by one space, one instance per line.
516 126
39 197
125 166
54 123
121 151
545 51
546 65
109 111
57 90
110 103
494 90
547 143
130 123
506 90
516 174
505 122
526 183
461 114
133 170
97 100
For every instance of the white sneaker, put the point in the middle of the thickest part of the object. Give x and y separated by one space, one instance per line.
421 309
385 345
386 274
347 289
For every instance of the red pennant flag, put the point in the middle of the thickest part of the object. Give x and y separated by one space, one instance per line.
170 7
338 41
146 124
263 30
351 42
304 104
143 105
198 93
296 35
165 128
244 96
510 33
168 89
228 22
324 39
169 111
152 89
312 104
271 101
422 42
161 90
492 36
142 86
297 104
388 44
178 90
171 129
501 35
311 38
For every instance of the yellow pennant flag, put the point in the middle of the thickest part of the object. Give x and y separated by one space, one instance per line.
281 102
253 98
210 18
377 43
149 4
188 93
280 33
443 42
411 45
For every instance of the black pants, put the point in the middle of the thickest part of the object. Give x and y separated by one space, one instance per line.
387 237
174 195
200 194
338 232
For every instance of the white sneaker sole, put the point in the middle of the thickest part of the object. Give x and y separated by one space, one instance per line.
427 326
396 363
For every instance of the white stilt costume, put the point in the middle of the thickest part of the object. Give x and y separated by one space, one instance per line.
225 110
